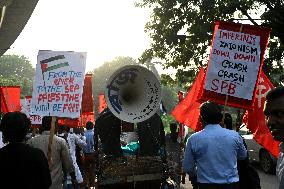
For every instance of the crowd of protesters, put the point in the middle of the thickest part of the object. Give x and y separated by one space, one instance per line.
214 158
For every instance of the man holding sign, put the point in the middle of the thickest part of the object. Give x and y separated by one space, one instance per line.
212 153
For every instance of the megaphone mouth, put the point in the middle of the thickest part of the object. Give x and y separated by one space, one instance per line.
133 93
129 96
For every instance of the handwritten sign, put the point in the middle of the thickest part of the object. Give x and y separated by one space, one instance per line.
26 108
234 64
58 85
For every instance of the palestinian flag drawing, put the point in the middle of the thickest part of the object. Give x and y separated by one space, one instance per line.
45 64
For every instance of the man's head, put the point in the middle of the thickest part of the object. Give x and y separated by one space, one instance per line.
173 127
274 113
210 113
228 121
89 125
15 126
46 123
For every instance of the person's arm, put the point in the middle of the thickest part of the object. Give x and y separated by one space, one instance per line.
242 151
189 164
67 163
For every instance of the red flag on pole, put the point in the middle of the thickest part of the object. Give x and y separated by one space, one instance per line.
87 97
10 99
255 119
102 103
187 111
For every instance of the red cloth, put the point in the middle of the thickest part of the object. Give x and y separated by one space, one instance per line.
10 99
102 103
187 111
255 119
250 29
87 98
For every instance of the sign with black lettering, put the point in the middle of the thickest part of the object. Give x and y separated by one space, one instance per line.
234 64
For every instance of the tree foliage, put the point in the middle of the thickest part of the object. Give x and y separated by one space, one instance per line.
17 70
181 31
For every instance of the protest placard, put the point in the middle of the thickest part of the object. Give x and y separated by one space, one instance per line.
26 108
234 64
58 85
235 61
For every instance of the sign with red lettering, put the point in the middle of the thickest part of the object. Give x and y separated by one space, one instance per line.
58 85
234 64
235 60
26 108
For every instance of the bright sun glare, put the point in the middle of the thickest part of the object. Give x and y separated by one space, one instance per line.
104 29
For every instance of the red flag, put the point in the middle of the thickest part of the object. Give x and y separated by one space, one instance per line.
255 119
187 111
87 98
102 103
10 99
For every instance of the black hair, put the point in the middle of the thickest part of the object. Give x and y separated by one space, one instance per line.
173 126
89 125
275 93
174 133
228 121
211 113
46 124
15 126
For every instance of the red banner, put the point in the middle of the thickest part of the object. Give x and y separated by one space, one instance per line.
87 98
187 111
78 122
10 99
229 81
102 103
255 119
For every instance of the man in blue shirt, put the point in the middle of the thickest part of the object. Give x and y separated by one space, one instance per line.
89 152
274 115
212 153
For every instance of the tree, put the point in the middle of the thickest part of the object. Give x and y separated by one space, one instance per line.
181 31
18 71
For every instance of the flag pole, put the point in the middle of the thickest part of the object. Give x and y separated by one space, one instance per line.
50 141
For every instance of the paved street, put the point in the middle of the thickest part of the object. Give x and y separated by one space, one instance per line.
267 181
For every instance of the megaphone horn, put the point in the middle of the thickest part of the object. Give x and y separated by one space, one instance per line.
133 93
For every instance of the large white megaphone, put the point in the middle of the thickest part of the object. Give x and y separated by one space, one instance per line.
133 93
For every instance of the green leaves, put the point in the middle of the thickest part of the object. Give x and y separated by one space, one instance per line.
181 30
17 70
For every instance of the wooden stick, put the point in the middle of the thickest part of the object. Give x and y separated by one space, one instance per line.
226 102
49 149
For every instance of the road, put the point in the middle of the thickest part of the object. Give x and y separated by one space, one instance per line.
267 181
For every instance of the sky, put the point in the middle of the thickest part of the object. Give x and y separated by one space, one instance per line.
104 29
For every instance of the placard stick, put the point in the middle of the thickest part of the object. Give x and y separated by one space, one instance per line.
49 149
226 100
